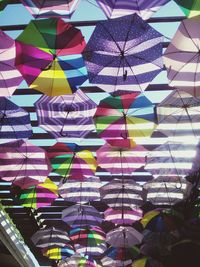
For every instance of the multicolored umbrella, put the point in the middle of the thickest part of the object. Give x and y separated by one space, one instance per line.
181 57
58 253
48 56
147 262
119 8
78 260
190 8
10 77
69 159
129 116
123 54
66 115
14 121
49 8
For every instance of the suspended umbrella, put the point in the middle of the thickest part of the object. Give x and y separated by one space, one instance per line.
49 8
81 216
118 8
173 159
190 8
48 56
122 194
147 262
69 159
124 236
58 253
181 57
78 260
129 116
83 191
123 54
91 251
66 115
10 77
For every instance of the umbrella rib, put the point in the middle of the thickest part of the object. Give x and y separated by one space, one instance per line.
127 34
188 33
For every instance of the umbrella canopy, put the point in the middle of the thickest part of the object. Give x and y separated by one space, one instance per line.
58 253
119 8
91 251
14 121
48 56
10 77
125 116
66 115
122 194
81 216
21 160
77 260
49 8
190 8
181 57
124 236
123 54
147 262
69 159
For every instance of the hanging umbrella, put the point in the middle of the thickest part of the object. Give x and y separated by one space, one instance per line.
125 116
91 251
81 216
173 159
124 236
78 260
23 163
118 8
190 8
58 253
123 54
69 159
48 56
10 77
49 8
181 57
14 121
122 194
38 196
147 262
66 115
80 191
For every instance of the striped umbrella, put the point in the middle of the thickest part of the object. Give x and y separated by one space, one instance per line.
80 191
91 251
49 8
122 194
21 160
119 8
58 253
66 115
69 159
14 121
147 262
78 260
190 8
48 56
129 116
10 77
81 216
123 54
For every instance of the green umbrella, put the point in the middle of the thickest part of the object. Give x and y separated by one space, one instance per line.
190 8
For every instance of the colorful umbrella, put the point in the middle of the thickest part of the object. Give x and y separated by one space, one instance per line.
58 253
10 77
69 159
49 8
123 54
66 115
181 57
125 116
119 8
190 8
147 262
14 121
81 216
48 56
77 260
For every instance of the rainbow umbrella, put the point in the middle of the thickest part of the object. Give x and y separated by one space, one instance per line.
190 8
58 253
78 260
147 262
48 56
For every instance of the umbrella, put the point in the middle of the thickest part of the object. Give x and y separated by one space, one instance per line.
125 116
173 159
118 8
10 77
91 251
80 191
38 196
167 190
58 253
190 8
14 121
81 216
147 262
21 162
66 115
49 8
48 56
178 115
123 236
123 54
78 260
69 159
181 57
46 238
122 194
